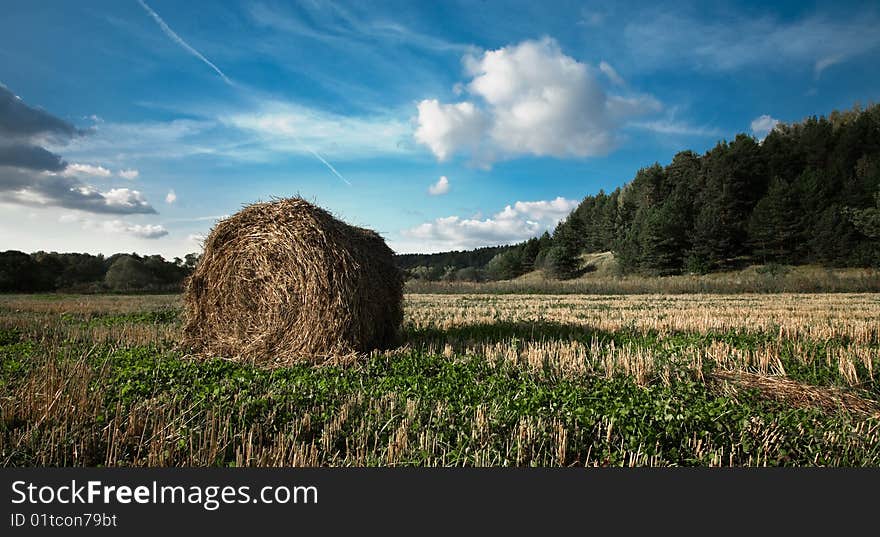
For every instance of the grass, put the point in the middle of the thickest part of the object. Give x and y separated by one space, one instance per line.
479 380
603 280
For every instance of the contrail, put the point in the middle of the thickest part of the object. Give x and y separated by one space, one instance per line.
332 169
177 39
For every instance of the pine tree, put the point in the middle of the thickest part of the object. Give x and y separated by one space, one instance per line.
774 227
563 257
663 239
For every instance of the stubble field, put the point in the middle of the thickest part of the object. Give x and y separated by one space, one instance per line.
478 379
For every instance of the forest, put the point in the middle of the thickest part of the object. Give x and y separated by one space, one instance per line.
86 273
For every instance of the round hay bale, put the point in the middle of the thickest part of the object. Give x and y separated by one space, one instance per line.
285 281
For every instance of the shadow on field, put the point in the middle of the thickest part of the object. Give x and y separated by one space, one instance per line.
502 331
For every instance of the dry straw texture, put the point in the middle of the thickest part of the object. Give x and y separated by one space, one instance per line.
285 281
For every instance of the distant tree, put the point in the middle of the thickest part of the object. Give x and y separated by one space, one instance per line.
468 274
128 273
17 272
190 261
506 265
867 221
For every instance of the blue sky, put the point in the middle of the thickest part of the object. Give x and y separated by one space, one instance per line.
134 125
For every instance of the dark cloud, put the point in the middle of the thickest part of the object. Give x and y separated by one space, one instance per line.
28 187
32 157
29 173
20 121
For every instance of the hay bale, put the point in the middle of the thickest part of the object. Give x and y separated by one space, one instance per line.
285 281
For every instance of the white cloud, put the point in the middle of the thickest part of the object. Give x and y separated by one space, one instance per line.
170 197
446 128
671 126
538 101
142 231
213 218
611 73
150 231
128 174
517 222
551 211
125 198
86 169
762 125
440 187
283 127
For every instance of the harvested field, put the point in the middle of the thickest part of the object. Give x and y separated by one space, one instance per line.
485 380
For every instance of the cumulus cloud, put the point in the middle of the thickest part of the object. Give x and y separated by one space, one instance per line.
529 99
32 175
440 187
762 125
170 197
549 211
517 222
446 128
128 174
126 200
86 169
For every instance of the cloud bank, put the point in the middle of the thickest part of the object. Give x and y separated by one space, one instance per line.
515 223
141 231
32 175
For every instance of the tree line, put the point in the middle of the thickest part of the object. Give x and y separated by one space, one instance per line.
86 273
809 193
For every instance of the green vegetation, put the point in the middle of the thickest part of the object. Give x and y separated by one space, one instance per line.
625 391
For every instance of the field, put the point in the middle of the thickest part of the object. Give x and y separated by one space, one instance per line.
478 379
